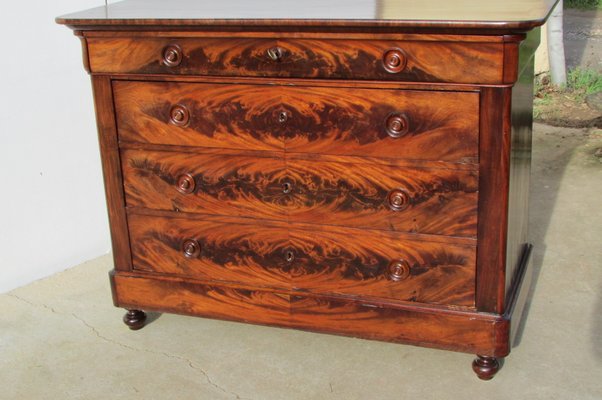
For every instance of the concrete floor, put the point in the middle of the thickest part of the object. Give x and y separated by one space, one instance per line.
61 338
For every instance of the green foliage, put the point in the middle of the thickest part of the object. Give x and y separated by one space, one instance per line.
583 4
584 81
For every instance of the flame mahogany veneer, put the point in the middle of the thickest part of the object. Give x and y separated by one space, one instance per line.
357 176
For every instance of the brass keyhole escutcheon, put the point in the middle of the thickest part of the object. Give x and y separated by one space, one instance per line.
287 187
289 256
283 116
275 53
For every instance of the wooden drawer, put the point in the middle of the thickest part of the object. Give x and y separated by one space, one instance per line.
400 124
367 195
325 260
395 60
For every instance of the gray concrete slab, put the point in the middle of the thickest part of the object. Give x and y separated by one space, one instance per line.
61 338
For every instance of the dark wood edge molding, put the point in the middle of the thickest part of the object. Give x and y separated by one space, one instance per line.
494 153
503 27
516 300
111 168
486 330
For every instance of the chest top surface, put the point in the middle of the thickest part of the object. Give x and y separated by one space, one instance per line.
510 15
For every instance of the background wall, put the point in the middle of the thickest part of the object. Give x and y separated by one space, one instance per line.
52 211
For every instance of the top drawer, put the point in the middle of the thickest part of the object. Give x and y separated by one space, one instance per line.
395 60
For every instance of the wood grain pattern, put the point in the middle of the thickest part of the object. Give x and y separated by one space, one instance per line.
454 330
460 16
111 171
442 125
441 201
493 198
306 58
321 260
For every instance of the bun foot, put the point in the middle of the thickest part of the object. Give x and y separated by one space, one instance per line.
485 367
134 319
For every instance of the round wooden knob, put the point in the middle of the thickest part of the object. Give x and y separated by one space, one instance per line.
397 125
179 115
394 60
185 184
172 55
398 199
275 53
191 248
398 270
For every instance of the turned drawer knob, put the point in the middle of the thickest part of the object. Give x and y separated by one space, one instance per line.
179 115
398 270
398 199
185 184
397 125
191 248
275 53
172 55
394 60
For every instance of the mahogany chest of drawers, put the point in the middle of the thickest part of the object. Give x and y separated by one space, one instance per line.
358 170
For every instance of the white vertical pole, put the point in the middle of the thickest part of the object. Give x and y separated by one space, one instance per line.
556 46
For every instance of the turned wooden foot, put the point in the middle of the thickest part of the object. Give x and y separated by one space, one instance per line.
134 319
485 367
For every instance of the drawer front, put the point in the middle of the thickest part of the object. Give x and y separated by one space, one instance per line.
327 260
395 60
410 124
204 183
434 201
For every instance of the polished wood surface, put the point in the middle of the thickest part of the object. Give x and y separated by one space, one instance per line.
359 169
475 14
430 327
111 170
320 259
308 58
439 201
343 121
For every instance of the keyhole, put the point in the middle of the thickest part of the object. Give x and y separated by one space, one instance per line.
282 117
286 187
289 256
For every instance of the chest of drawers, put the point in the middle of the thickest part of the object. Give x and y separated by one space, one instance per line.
363 175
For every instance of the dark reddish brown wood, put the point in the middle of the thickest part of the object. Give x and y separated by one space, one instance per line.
442 125
366 177
494 157
322 260
445 329
520 157
134 319
440 201
304 58
485 367
510 15
111 169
